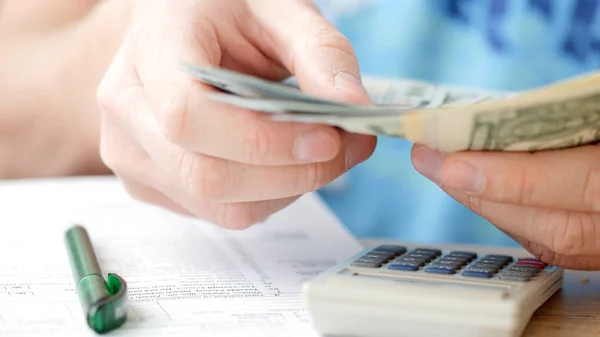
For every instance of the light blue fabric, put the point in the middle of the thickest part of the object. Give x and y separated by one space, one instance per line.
495 44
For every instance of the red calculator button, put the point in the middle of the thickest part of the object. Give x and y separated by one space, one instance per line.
531 262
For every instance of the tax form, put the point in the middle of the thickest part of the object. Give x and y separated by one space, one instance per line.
185 277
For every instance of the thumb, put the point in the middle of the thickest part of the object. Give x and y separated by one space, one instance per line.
313 50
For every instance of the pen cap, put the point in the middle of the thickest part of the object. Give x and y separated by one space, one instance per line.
81 254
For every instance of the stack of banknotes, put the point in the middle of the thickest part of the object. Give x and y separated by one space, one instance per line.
560 115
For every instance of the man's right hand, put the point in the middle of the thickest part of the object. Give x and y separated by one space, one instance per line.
172 147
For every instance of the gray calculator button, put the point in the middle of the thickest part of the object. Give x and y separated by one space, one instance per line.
514 276
376 255
365 264
492 270
526 269
435 252
394 249
406 259
494 261
371 260
425 257
467 255
487 266
457 259
498 257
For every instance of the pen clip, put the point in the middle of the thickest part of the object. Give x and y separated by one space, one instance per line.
109 312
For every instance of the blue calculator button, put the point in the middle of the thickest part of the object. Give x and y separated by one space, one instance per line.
478 273
404 266
440 270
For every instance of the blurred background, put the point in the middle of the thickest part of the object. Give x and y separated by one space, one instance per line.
494 44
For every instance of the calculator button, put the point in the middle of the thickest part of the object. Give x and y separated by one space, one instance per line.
368 260
425 257
446 264
487 266
456 259
539 265
499 257
526 269
535 261
467 255
440 270
396 250
499 263
372 255
409 260
366 264
514 276
435 252
478 272
404 266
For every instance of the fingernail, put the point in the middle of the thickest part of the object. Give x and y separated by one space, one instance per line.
351 86
428 162
315 145
355 151
463 176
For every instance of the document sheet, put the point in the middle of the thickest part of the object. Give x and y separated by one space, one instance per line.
185 277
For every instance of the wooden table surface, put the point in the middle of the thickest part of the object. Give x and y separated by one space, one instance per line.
574 310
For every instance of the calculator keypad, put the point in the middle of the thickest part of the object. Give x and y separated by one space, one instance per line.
464 263
379 256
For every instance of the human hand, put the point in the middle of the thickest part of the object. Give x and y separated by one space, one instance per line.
547 201
172 147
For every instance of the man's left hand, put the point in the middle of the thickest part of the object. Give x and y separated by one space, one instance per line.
548 201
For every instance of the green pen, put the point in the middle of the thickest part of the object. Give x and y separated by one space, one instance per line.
103 301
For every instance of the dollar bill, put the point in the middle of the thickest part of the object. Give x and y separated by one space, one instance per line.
561 115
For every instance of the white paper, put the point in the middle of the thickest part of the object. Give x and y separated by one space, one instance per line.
186 277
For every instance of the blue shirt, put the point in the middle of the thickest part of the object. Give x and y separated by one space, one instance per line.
493 44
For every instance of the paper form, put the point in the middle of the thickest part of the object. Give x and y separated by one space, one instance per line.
185 277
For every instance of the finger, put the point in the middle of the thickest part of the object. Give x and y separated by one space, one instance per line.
312 49
149 195
235 216
565 179
212 179
321 58
144 181
189 120
563 238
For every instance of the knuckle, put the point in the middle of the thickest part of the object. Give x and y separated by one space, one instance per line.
328 37
311 177
590 196
524 187
205 178
571 234
172 120
474 203
234 217
257 145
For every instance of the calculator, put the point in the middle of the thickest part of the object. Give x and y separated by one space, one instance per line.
401 289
